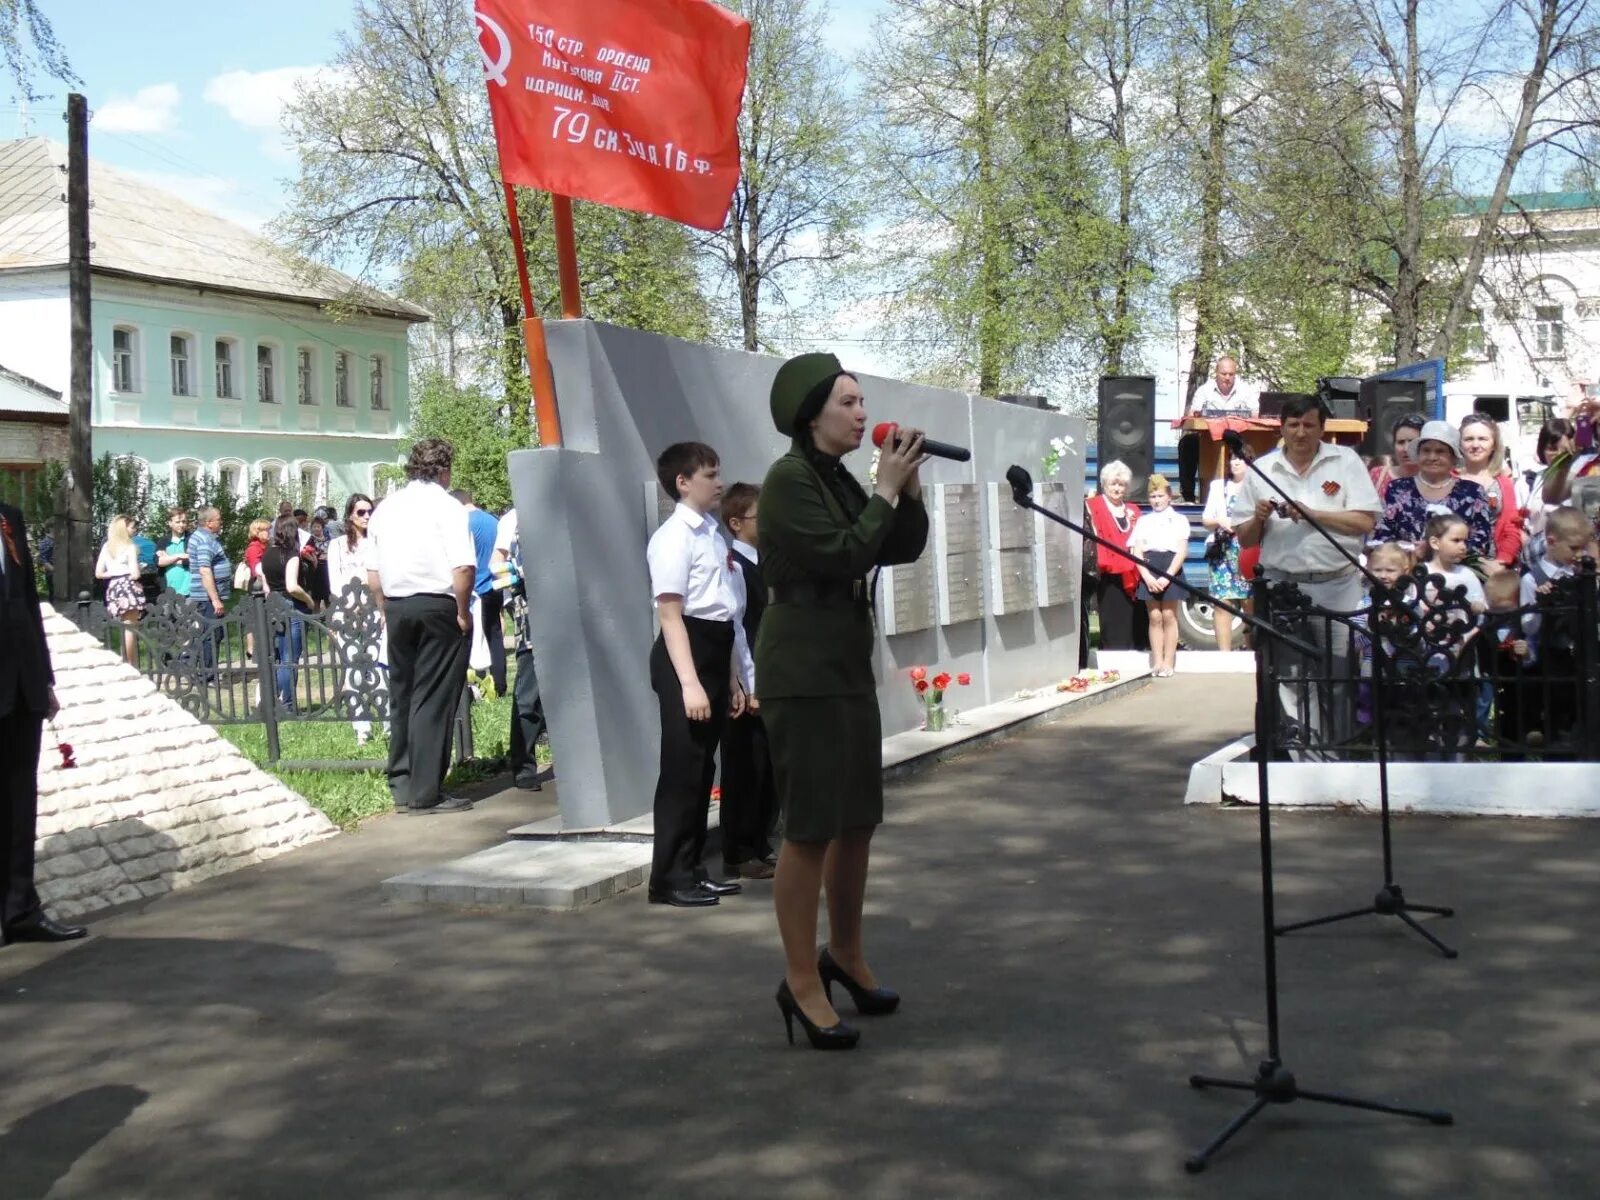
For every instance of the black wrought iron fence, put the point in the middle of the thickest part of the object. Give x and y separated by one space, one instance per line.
265 661
1435 677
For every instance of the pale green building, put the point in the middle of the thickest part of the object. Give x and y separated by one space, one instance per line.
215 350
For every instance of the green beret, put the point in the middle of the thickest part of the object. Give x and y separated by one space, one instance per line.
795 383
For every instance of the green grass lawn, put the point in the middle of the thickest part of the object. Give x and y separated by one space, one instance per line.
350 794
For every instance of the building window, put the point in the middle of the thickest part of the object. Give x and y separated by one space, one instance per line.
379 396
271 485
230 477
341 379
182 365
186 480
124 359
225 377
266 375
304 376
313 484
1549 330
1472 333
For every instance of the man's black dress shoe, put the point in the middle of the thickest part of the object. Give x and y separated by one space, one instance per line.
449 804
720 887
689 897
527 783
44 929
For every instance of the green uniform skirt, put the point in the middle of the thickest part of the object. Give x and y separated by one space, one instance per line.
827 762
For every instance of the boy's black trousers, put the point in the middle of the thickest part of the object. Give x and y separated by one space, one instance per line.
688 753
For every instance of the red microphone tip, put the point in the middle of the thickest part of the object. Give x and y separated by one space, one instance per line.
882 432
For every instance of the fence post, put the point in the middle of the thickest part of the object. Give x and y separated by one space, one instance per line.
266 669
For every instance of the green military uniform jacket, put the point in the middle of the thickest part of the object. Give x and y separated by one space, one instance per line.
807 534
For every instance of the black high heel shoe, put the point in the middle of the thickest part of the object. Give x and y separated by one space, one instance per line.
869 1002
835 1037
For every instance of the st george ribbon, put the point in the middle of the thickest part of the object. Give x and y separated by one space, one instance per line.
617 102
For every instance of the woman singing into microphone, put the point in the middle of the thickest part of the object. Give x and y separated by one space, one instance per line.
820 534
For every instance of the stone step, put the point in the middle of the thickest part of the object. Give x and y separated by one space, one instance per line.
560 875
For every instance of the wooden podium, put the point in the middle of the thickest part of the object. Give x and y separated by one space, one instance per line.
1259 433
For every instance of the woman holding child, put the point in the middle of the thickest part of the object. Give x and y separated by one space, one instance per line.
821 534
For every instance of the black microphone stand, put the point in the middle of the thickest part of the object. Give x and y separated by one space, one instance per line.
1273 1082
1390 900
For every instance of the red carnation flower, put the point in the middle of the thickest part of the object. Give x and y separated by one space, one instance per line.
918 674
716 794
963 679
921 685
67 758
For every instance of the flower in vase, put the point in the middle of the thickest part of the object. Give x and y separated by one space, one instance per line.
918 674
921 685
941 681
964 679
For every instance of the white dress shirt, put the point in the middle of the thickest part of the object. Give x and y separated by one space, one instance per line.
689 557
1243 401
1161 529
1336 481
418 538
345 564
506 531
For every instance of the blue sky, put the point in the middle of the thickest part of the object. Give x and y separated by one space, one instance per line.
188 93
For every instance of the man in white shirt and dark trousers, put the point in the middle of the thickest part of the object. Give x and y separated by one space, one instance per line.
422 576
1220 396
695 670
1332 485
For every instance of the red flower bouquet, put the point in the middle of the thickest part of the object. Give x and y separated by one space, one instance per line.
931 693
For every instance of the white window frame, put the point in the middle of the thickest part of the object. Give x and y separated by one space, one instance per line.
241 470
271 496
378 397
233 344
272 393
319 486
192 466
191 362
305 379
1550 332
125 365
341 380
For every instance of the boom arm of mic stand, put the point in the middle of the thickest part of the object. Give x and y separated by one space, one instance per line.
1023 498
1304 515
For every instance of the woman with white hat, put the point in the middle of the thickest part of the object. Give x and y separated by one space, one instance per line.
1409 501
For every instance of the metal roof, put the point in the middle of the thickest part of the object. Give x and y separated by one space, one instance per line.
141 231
1534 202
21 395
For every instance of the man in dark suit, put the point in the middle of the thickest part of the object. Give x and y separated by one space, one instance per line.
27 700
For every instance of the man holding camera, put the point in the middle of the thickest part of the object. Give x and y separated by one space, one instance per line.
1330 484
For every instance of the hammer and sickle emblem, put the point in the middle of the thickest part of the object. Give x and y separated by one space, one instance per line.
494 67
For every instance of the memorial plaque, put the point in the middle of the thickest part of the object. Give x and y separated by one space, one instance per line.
906 603
958 544
1010 553
1057 551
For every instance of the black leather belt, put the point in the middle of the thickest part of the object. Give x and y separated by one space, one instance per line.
822 593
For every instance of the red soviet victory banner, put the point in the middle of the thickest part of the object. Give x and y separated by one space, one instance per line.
631 103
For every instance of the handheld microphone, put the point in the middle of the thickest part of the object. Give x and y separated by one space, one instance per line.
886 430
1234 441
1021 483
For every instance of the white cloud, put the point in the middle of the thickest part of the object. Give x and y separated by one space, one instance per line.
256 99
152 109
227 198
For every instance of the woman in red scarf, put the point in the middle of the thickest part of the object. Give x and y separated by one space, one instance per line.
1122 620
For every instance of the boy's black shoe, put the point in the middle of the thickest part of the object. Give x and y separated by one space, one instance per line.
719 887
689 897
447 804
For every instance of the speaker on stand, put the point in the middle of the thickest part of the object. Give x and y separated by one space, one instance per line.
1126 428
1383 402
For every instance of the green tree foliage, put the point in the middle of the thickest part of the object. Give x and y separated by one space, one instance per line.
123 485
398 175
476 424
799 203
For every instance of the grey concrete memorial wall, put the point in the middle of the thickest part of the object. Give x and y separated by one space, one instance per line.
995 594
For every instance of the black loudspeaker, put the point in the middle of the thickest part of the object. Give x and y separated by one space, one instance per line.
1496 408
1340 396
1382 403
1026 401
1127 427
1272 402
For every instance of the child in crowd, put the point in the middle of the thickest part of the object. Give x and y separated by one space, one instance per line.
1390 564
1451 608
1508 655
1568 536
1161 536
749 792
699 667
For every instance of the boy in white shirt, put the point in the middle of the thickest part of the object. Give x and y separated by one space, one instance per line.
699 666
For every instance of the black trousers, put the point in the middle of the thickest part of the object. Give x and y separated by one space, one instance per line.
749 792
19 812
427 672
688 753
491 604
1189 466
1124 622
527 720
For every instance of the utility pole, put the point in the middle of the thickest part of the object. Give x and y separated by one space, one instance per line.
78 567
